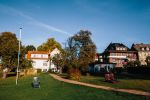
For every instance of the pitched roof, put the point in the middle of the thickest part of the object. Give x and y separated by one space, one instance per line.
112 46
139 46
37 52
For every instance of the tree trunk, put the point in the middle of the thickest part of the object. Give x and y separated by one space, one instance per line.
4 75
5 71
60 70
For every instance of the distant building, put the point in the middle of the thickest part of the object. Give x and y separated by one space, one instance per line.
143 52
101 67
148 61
41 59
52 54
99 57
119 53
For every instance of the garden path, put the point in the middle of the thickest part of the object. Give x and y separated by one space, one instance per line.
131 91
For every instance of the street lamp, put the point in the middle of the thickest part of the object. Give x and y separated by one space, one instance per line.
18 57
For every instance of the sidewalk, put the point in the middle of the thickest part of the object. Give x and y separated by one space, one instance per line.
136 92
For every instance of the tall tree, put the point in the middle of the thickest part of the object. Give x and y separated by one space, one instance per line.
59 60
83 48
8 49
82 52
49 45
30 48
133 63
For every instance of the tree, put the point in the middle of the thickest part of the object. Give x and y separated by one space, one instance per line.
30 48
63 58
24 62
82 51
133 63
49 45
83 48
9 51
59 61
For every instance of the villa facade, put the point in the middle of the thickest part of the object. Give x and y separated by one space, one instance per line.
143 51
119 53
41 59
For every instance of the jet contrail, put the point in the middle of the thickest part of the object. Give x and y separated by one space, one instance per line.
36 22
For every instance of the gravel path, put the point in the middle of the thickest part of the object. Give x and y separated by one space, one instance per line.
136 92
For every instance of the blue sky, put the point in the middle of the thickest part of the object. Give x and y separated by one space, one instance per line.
124 21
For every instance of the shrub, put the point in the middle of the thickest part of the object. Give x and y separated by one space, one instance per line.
39 70
74 73
119 70
139 70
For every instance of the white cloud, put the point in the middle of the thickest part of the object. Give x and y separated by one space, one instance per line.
11 10
46 26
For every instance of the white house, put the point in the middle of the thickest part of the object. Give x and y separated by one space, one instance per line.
52 54
41 59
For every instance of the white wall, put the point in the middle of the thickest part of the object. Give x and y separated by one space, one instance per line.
40 64
55 51
39 56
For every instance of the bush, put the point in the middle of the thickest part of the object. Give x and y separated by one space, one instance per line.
74 73
119 70
39 70
139 70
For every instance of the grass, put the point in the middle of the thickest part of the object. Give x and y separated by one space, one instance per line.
126 82
55 90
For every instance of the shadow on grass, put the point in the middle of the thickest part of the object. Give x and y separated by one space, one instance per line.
11 74
133 76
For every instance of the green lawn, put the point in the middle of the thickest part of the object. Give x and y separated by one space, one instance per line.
55 90
138 82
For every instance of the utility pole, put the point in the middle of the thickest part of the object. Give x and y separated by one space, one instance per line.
18 57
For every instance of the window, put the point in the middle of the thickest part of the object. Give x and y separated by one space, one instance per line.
118 48
119 61
121 54
146 54
44 64
147 49
142 49
44 70
34 56
112 54
113 60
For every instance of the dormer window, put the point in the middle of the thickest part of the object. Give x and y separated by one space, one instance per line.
124 48
147 49
142 49
117 48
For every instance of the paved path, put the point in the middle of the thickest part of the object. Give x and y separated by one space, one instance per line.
136 92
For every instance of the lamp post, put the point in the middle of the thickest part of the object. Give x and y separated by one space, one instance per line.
18 57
